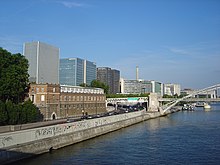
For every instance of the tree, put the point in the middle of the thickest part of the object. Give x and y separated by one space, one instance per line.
99 84
3 114
30 111
13 76
84 85
12 112
13 90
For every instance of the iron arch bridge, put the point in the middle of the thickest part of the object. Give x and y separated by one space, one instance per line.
185 98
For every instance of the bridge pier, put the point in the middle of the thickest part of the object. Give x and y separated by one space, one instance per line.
154 104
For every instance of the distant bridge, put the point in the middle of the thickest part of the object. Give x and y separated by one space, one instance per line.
193 99
126 100
188 97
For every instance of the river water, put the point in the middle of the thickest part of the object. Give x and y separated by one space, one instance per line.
181 138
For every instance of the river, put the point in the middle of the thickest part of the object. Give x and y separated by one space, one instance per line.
181 138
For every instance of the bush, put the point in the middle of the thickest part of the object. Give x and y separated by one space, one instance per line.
3 113
11 113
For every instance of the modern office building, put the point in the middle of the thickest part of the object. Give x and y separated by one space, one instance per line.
110 77
43 62
140 86
90 72
115 81
76 71
172 89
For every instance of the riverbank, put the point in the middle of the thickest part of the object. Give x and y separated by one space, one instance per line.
26 143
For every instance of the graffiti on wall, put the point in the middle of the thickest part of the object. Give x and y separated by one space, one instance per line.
62 129
6 140
52 131
15 138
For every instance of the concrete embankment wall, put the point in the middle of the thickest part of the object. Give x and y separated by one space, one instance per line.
19 127
22 144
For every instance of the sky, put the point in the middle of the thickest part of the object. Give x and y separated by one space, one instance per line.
171 41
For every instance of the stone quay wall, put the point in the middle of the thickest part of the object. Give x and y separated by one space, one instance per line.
26 143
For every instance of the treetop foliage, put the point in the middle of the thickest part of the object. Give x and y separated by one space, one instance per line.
97 84
13 76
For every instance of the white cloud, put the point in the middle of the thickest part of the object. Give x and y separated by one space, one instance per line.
179 51
71 4
201 49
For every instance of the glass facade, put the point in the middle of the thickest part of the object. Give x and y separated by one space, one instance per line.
90 72
158 87
76 71
79 71
68 71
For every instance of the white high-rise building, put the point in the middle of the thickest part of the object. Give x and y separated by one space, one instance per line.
172 89
43 62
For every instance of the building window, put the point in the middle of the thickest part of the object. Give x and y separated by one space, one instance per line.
42 89
54 89
32 98
37 90
42 98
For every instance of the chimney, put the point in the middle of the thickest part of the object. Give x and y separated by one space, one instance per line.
137 73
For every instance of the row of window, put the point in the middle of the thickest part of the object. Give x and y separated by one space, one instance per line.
77 98
82 106
40 89
71 90
82 98
81 90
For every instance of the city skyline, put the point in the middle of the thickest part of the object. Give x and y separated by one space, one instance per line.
171 41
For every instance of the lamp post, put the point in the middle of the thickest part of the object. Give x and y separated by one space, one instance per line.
96 104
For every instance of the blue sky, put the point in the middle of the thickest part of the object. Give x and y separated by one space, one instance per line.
172 41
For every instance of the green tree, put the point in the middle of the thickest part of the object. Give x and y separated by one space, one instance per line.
84 85
30 111
99 84
13 90
12 112
13 76
3 113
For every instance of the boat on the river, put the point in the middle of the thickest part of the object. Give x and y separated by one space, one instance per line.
200 104
207 106
188 107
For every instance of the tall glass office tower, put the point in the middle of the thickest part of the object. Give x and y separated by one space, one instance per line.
76 71
90 73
